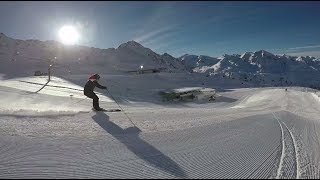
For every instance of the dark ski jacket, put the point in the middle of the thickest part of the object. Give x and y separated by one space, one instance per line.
90 85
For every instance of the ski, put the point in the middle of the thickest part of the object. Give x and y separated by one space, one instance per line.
107 110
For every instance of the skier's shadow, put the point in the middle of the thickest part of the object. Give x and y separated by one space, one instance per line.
130 138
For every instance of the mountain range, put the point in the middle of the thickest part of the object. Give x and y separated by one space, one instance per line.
259 68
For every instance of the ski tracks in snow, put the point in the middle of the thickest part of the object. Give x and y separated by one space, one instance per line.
289 162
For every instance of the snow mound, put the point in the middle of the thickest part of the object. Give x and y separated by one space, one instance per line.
264 99
316 96
21 99
56 87
39 112
37 106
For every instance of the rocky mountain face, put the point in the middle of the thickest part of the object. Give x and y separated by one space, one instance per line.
259 68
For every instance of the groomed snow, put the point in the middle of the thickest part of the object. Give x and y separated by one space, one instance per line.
244 133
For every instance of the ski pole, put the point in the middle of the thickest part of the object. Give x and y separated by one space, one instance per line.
121 108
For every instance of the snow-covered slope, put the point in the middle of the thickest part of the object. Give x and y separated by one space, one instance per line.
255 133
193 61
26 57
133 53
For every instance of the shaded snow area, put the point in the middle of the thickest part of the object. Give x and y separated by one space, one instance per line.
193 94
48 130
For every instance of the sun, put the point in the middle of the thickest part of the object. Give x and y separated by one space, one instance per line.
68 35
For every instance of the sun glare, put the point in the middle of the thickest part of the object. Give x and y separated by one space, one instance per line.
68 35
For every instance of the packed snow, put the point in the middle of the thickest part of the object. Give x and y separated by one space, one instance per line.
48 130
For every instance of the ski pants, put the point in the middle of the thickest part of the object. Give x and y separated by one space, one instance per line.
95 98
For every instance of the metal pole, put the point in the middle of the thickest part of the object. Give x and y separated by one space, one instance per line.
121 108
49 72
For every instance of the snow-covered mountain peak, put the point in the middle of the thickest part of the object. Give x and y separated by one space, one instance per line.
188 56
300 58
227 56
207 60
2 34
263 53
4 37
306 59
246 55
131 44
167 55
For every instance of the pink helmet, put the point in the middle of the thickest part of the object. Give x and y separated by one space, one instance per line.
94 77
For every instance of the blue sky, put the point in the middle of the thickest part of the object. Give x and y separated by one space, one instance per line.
202 28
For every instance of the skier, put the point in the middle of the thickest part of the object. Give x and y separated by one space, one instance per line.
88 90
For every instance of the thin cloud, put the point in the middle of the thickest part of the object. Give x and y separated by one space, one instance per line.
165 37
301 51
306 53
156 20
166 45
304 47
153 34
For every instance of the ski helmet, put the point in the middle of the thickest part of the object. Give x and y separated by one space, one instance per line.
94 77
97 76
